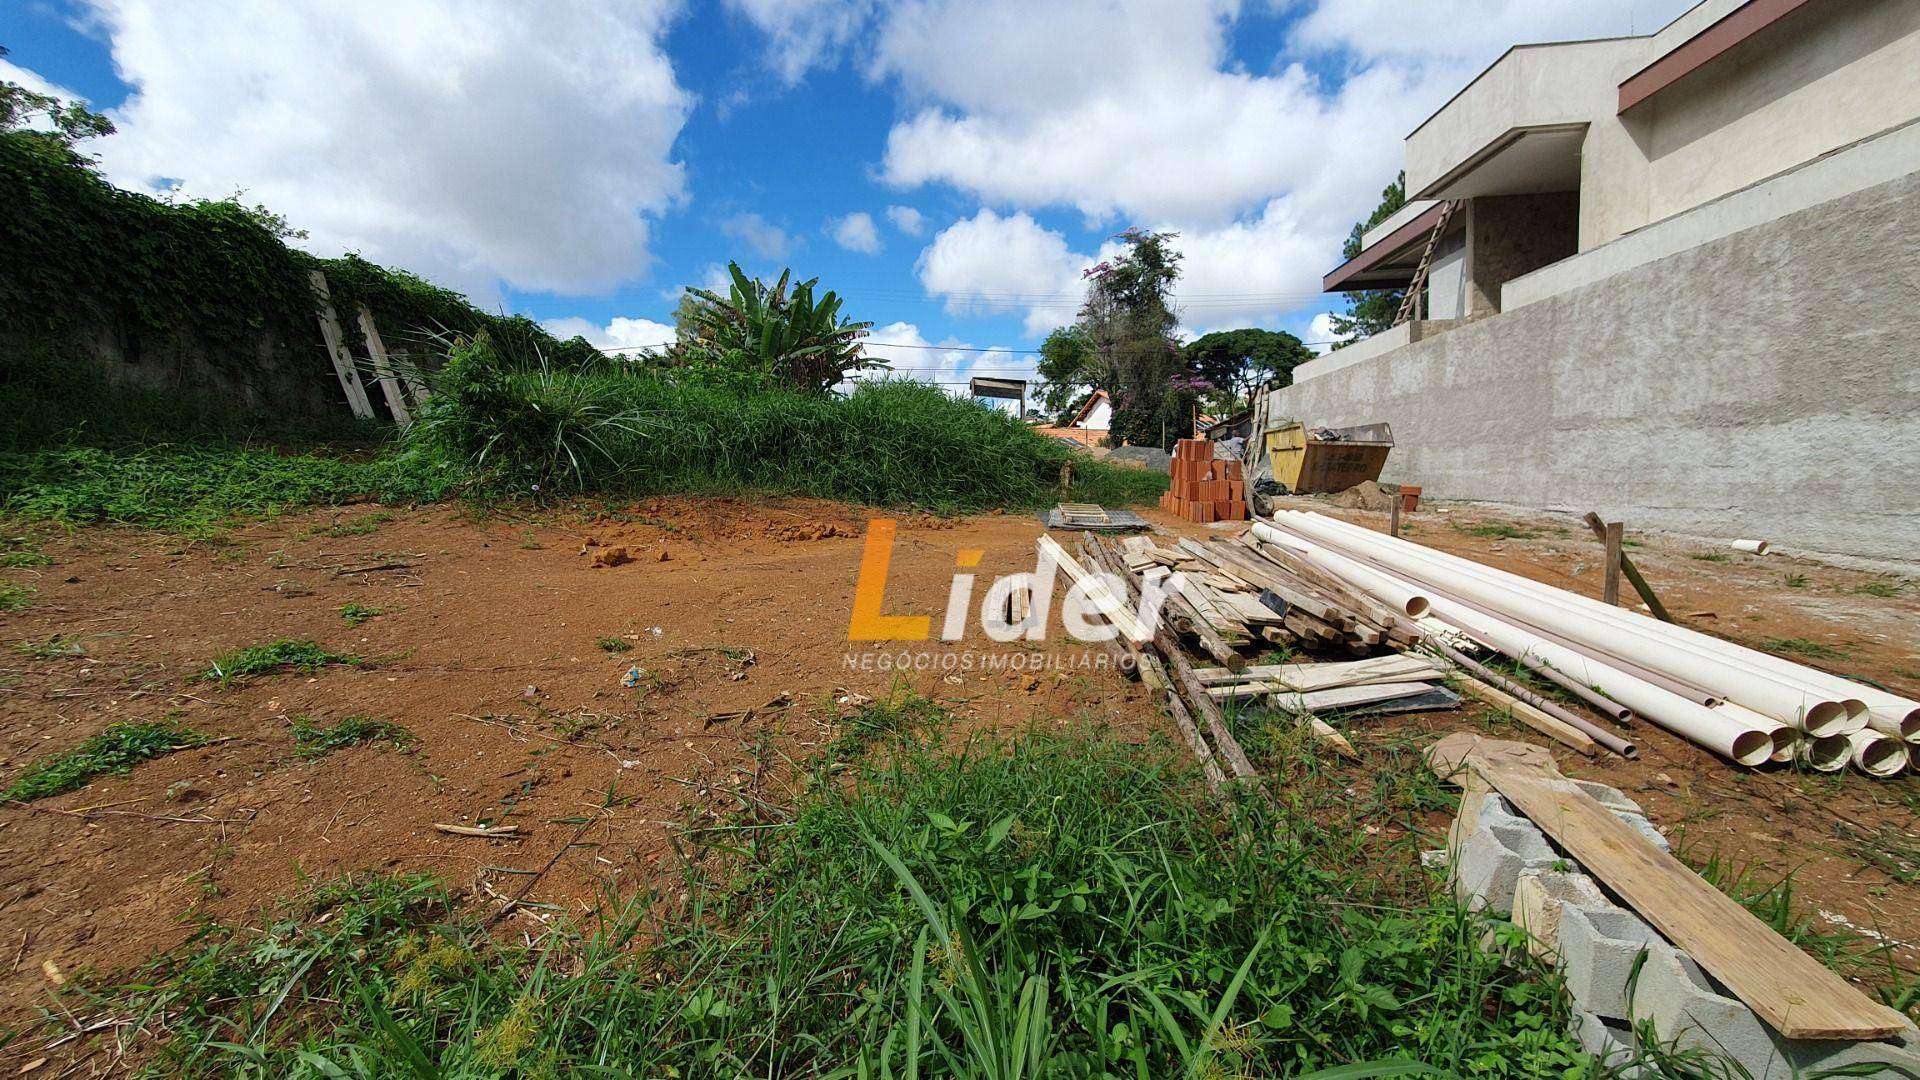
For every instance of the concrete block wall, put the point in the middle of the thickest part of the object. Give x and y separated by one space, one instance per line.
1625 980
1765 383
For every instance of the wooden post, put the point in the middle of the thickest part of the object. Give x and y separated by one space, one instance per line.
1393 515
1632 573
1612 588
389 385
343 366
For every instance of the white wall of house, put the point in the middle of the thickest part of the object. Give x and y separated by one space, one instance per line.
1099 418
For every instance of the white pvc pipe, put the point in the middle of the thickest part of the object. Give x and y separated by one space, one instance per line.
1877 755
1560 612
1825 753
1783 753
1746 745
1752 547
1396 593
1885 712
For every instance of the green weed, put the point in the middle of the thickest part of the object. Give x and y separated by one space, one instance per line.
1711 556
363 525
57 647
1884 588
614 643
1803 647
1498 531
22 560
1794 581
1055 906
14 596
116 750
355 614
274 657
314 741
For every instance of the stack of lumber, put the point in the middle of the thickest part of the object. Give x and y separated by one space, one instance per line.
1204 488
1259 591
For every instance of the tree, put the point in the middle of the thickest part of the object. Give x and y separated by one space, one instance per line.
800 340
67 121
1130 322
1068 369
1373 310
1240 363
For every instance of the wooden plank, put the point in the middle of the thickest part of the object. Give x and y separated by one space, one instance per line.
1610 589
1792 992
343 366
1552 727
1097 592
389 383
1338 697
1396 668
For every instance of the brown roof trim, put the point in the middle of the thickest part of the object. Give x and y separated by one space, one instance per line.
1703 48
1086 407
1376 253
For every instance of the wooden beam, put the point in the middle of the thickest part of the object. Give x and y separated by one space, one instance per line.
343 365
1613 536
1796 995
1097 592
389 383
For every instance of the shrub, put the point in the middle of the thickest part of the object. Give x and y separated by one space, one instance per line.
617 427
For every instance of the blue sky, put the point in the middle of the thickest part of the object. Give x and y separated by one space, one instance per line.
948 166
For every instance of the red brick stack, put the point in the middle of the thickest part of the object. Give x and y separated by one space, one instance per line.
1204 489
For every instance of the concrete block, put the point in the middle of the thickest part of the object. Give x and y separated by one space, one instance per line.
1598 948
1610 797
1644 828
1538 897
1611 1042
1486 868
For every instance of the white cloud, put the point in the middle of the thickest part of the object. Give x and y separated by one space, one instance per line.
856 232
1320 333
34 81
907 220
468 141
1139 112
803 34
620 334
990 264
762 237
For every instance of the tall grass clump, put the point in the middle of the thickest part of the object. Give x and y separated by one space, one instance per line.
1061 905
623 427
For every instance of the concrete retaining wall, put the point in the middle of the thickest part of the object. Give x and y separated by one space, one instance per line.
1766 383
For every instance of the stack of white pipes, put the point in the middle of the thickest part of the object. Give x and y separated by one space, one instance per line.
1747 706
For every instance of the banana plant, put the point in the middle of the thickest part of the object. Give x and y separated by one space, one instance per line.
799 337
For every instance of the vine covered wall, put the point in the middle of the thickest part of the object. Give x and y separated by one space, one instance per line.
191 302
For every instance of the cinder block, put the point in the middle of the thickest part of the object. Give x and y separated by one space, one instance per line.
1611 1042
1598 947
1487 866
1538 898
1688 1012
1610 797
1644 827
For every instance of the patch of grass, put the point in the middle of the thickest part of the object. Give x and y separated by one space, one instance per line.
355 614
116 750
363 525
313 740
22 560
620 427
1807 647
1710 556
906 916
273 657
57 647
614 643
195 489
1884 588
1498 531
14 596
1794 581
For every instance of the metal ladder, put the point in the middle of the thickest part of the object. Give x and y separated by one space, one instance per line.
1415 288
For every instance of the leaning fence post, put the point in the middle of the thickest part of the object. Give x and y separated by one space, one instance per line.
343 365
389 385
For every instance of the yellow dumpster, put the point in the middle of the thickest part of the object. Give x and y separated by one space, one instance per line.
1328 459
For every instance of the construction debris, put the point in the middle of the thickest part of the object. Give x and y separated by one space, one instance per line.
1205 488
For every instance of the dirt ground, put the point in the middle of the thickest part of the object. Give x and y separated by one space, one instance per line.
489 651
